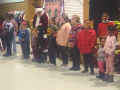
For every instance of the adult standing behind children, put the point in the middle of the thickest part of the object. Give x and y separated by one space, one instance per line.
62 40
72 43
15 26
86 45
24 39
41 17
8 32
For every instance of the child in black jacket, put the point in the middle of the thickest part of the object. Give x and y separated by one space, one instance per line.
52 46
40 43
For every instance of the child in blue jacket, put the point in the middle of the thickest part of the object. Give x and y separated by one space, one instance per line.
24 39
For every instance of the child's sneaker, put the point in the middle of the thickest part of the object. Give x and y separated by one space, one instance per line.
85 71
63 66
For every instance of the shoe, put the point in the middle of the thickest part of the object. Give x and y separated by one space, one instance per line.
7 55
76 69
27 57
110 79
34 60
14 53
92 72
85 71
50 64
102 76
99 75
71 68
64 66
106 77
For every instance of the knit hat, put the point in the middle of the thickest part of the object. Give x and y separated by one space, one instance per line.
38 9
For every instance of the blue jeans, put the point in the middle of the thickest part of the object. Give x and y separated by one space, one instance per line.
14 43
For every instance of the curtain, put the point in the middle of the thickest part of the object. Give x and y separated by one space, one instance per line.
98 6
54 8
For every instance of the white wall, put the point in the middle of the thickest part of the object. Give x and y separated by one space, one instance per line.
10 1
74 7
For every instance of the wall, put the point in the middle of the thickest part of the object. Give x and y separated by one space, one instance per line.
10 1
11 6
30 9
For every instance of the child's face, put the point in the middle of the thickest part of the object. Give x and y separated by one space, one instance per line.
74 20
102 43
52 32
87 25
50 21
7 19
33 32
110 33
24 26
105 17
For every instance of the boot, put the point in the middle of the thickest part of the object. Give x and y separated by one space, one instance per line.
106 77
99 75
102 75
110 79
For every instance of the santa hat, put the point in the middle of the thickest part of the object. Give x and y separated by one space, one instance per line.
38 9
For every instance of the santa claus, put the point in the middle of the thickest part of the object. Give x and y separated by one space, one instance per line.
40 17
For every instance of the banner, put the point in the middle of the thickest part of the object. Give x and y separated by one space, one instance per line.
54 8
10 1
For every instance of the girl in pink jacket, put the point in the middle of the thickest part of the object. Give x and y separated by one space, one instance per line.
62 40
109 49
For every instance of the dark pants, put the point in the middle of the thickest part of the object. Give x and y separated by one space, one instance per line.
75 55
88 59
35 53
25 51
52 56
8 42
45 56
105 66
63 51
3 41
40 54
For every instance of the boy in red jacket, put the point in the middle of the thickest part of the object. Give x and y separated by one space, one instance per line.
102 27
86 44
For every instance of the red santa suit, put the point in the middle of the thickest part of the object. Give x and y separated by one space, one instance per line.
41 19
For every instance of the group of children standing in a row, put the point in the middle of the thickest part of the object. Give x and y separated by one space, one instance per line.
79 38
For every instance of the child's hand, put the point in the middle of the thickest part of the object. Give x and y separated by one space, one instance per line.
106 55
35 47
47 46
39 47
20 40
23 39
96 54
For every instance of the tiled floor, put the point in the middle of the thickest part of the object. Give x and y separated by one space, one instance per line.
20 74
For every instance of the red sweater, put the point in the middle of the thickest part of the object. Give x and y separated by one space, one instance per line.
87 41
102 28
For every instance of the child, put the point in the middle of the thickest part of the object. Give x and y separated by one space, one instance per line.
72 43
24 39
109 49
102 27
40 43
86 44
52 45
34 45
51 23
101 59
8 32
